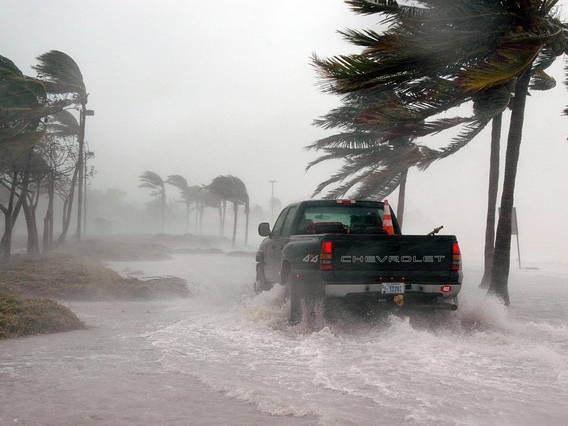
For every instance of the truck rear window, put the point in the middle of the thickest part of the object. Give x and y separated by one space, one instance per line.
341 219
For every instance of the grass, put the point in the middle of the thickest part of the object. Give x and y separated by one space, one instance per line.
22 317
78 278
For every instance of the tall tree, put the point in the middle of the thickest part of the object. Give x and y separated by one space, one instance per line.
191 195
232 189
62 76
156 184
62 133
476 48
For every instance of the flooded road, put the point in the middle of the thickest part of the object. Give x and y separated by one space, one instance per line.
226 356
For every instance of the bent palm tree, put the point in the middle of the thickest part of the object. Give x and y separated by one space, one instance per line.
156 184
476 48
232 189
64 125
62 76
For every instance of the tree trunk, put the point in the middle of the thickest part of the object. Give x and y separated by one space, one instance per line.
492 198
163 210
223 218
31 225
235 212
11 214
81 172
247 213
220 211
68 208
502 253
48 219
6 242
187 209
401 198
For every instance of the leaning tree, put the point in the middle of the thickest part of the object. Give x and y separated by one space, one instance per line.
156 184
62 77
476 49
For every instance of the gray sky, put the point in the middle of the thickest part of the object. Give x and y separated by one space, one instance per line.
205 88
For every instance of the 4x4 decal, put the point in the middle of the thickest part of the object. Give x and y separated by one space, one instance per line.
311 258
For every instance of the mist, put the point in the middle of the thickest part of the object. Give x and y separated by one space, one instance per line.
207 89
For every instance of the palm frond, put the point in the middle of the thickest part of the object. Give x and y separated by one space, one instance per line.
151 179
61 73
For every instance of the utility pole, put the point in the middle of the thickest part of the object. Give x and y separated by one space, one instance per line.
86 155
272 182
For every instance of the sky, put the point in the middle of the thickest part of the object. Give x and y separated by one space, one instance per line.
206 88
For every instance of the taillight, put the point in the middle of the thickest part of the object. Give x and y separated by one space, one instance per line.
346 201
456 257
326 255
446 288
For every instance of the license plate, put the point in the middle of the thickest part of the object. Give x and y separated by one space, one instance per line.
392 288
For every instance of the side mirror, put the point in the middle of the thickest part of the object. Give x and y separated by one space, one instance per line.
264 229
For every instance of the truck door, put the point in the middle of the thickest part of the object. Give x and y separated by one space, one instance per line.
280 240
271 256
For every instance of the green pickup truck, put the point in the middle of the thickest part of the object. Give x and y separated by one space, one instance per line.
322 249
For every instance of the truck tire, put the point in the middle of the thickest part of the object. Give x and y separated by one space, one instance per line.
307 303
261 283
296 298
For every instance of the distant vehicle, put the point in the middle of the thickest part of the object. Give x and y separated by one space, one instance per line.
339 249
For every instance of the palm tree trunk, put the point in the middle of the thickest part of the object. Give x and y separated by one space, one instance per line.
235 212
224 216
163 210
492 198
220 211
187 218
247 213
68 207
401 198
502 253
81 172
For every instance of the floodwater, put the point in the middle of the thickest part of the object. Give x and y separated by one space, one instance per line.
226 356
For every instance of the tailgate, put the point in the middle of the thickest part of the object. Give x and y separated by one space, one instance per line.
377 258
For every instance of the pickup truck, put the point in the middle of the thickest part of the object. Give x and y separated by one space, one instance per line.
322 249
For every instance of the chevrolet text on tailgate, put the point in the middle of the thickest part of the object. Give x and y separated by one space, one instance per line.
324 249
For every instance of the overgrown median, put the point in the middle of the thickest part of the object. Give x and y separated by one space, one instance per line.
27 285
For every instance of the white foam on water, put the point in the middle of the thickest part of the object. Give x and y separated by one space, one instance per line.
484 364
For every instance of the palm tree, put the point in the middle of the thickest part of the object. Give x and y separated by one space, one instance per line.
240 197
477 49
221 186
189 194
207 198
23 102
63 126
62 76
232 189
156 184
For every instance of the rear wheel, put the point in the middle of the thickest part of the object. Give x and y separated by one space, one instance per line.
261 283
307 302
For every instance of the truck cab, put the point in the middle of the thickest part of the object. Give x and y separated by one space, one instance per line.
341 249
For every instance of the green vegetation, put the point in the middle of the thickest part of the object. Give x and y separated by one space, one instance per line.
425 60
75 278
41 146
22 317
